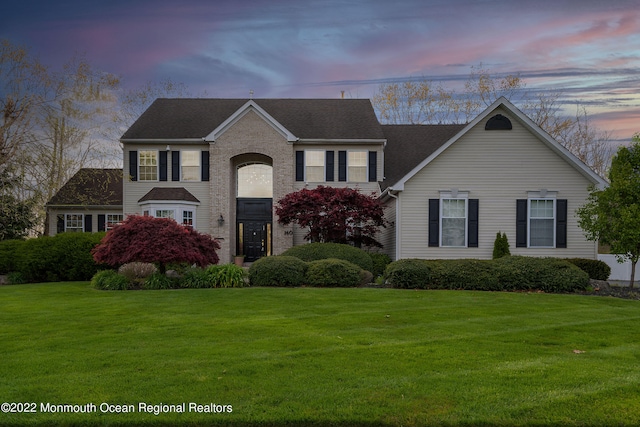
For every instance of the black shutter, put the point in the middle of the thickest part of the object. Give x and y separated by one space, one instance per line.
561 223
299 165
205 165
175 166
88 223
472 232
434 222
521 223
373 166
342 165
329 165
60 223
102 219
133 165
163 166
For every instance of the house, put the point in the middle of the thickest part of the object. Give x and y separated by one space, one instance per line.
90 201
219 164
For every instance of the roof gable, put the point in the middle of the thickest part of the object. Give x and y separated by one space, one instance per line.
551 143
164 194
91 187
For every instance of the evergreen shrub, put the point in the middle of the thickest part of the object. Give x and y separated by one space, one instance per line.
333 272
408 273
380 262
501 246
596 269
317 251
8 255
278 270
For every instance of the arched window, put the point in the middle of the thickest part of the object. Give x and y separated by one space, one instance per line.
255 180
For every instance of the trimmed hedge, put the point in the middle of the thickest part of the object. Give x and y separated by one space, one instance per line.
508 273
317 251
596 269
66 256
333 272
278 270
8 255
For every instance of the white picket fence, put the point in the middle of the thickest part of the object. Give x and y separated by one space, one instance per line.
619 272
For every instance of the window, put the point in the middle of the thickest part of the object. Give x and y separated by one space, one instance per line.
541 223
454 222
314 161
357 166
187 218
255 180
164 213
74 223
148 166
190 165
113 220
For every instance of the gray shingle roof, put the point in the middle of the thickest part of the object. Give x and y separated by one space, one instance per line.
408 145
91 187
175 118
169 193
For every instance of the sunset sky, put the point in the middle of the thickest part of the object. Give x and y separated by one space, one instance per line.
588 50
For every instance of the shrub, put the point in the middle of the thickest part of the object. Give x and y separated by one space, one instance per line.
16 278
471 274
109 280
408 273
501 246
380 262
333 272
196 278
158 281
226 276
8 255
596 269
317 251
137 272
278 270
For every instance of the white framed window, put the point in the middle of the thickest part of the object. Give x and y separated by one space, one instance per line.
314 165
190 165
165 213
453 221
112 220
74 223
542 223
357 166
187 218
148 165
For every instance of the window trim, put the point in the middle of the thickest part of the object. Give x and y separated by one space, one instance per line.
157 166
178 210
454 195
73 229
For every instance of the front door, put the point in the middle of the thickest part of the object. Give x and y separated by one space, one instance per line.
253 228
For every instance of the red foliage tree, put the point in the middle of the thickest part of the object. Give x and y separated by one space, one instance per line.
156 240
338 215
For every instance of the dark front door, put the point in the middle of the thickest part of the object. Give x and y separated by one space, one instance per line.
253 228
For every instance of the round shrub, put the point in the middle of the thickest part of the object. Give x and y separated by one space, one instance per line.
408 273
137 272
316 251
333 272
596 269
544 274
278 270
109 280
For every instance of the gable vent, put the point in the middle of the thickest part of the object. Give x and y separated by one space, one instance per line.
498 122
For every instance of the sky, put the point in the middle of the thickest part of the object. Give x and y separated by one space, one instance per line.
588 51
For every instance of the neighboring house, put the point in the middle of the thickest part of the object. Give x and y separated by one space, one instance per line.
219 164
90 201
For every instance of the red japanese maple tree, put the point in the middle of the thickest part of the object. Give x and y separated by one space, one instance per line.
338 215
156 240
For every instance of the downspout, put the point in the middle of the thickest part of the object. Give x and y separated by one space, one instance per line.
397 237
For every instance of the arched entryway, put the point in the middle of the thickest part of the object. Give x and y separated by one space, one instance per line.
254 202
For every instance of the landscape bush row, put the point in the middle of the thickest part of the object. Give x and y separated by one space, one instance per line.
139 275
66 256
510 273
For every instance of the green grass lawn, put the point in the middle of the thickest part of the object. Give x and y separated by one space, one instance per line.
312 356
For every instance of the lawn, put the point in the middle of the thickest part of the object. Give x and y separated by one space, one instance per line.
310 356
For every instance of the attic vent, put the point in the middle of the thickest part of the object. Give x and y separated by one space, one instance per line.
498 122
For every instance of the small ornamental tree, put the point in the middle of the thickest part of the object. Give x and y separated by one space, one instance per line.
612 215
157 240
338 215
501 246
